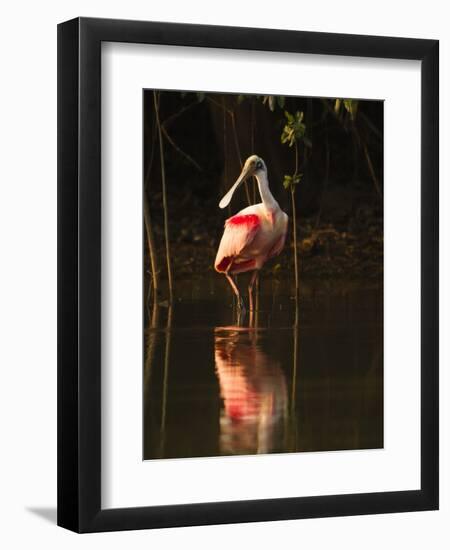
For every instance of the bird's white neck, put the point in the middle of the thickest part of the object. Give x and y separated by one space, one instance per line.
266 196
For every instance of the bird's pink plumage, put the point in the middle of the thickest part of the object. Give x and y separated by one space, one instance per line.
240 230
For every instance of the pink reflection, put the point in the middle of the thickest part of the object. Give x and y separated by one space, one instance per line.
254 394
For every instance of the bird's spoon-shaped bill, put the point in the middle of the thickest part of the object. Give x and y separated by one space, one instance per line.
246 172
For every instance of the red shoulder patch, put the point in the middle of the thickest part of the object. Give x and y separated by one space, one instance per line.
250 220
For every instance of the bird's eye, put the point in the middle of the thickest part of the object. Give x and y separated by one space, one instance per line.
259 165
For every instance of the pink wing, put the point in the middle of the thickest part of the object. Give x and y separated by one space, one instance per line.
240 230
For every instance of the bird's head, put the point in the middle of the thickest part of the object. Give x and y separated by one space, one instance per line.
253 166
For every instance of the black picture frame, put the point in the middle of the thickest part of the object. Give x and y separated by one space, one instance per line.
79 274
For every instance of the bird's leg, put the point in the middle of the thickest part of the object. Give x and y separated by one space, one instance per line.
250 288
236 291
240 317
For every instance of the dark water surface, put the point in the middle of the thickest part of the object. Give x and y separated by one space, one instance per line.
286 378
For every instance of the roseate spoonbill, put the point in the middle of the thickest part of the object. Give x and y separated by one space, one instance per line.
254 235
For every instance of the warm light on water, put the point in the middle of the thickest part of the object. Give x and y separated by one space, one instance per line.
278 380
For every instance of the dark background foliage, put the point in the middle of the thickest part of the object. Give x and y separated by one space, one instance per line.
206 138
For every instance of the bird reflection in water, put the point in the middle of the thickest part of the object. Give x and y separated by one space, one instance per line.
253 389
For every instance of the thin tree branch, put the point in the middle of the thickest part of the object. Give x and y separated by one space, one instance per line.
152 156
165 381
164 194
151 248
370 125
150 348
217 104
225 162
371 170
148 225
252 144
362 143
294 224
236 141
174 116
325 183
180 151
238 151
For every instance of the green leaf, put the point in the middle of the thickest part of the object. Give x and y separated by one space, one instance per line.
295 128
240 98
265 99
281 101
272 103
290 118
287 134
287 182
351 106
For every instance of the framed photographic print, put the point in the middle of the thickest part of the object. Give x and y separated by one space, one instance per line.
247 276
